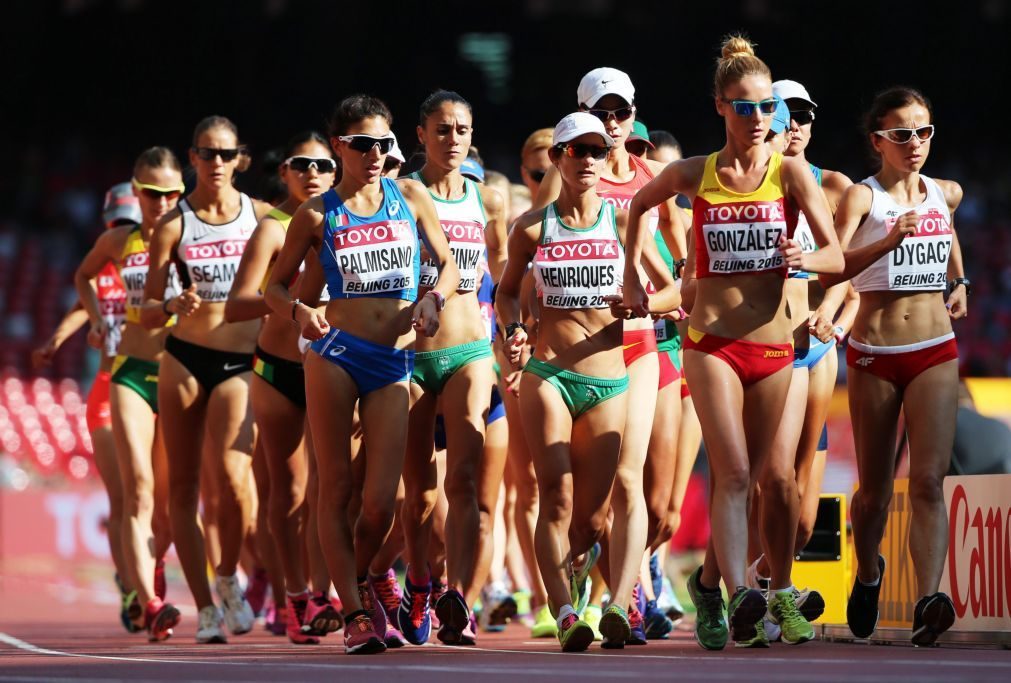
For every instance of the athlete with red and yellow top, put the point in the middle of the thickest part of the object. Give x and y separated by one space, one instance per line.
739 354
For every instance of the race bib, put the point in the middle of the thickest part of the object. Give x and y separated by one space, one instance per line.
466 242
376 257
743 237
920 262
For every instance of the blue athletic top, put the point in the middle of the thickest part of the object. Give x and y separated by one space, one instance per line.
803 233
377 255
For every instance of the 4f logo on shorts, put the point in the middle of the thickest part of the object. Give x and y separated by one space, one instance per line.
865 361
336 351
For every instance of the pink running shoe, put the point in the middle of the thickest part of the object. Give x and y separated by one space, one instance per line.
295 618
438 589
159 620
276 621
387 590
374 608
360 638
160 589
256 591
321 616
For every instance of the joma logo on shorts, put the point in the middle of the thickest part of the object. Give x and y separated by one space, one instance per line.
776 353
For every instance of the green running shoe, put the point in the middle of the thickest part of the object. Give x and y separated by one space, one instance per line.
615 627
784 611
544 624
746 609
579 579
592 615
710 624
574 635
760 639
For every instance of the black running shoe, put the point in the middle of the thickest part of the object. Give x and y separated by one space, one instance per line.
862 608
933 615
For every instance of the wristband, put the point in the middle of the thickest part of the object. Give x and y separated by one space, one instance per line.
440 300
294 307
164 307
840 334
511 328
960 281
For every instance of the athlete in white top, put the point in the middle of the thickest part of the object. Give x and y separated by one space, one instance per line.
902 253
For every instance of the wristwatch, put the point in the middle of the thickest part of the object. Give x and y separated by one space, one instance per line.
294 307
840 334
440 300
960 281
511 328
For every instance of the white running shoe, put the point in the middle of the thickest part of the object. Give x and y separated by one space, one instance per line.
238 614
210 628
668 602
773 631
497 607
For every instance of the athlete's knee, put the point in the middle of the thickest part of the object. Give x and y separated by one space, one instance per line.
778 483
734 480
871 502
461 486
926 490
376 514
555 506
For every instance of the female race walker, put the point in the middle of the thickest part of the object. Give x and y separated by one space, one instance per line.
203 378
143 467
278 385
902 252
366 230
608 94
738 357
574 387
456 365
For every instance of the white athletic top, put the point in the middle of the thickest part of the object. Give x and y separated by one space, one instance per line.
463 221
920 262
210 254
577 267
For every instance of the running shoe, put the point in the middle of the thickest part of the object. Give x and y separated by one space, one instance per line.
238 614
276 620
810 603
710 625
592 616
658 625
360 638
746 609
414 614
210 626
131 612
933 615
615 628
321 616
522 600
636 623
374 608
760 639
159 619
438 590
256 591
783 611
388 593
295 617
574 635
669 603
655 573
469 634
862 607
545 625
454 617
498 607
160 587
579 579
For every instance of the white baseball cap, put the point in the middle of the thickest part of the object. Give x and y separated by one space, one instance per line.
579 123
395 150
604 81
792 90
121 205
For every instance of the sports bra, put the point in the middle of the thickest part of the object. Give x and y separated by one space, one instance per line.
739 232
577 267
463 221
210 254
920 262
375 255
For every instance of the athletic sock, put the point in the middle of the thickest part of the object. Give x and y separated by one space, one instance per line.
565 611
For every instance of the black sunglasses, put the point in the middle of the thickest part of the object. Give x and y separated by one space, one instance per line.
619 114
365 143
303 164
208 153
802 116
578 150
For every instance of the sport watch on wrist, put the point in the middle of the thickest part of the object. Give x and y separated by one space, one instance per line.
440 300
511 328
960 281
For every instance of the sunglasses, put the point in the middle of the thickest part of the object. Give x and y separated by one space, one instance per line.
746 108
620 114
901 136
303 164
208 153
365 143
536 176
579 151
157 192
802 116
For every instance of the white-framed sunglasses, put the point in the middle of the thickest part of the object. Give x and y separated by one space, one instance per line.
302 164
902 136
365 143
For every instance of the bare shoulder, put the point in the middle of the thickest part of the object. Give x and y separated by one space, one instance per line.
835 181
528 221
260 207
492 199
411 188
858 197
952 192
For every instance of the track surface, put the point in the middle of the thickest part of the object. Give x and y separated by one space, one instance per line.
44 640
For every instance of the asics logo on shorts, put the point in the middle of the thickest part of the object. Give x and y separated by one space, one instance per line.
865 361
336 351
